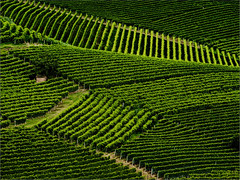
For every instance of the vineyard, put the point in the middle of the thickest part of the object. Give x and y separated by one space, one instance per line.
29 154
183 143
115 90
91 32
21 97
208 22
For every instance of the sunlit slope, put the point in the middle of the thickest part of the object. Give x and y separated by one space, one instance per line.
93 32
213 23
98 121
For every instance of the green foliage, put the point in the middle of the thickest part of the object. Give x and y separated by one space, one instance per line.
99 122
45 65
96 75
4 123
55 159
192 142
66 27
34 99
7 19
181 19
10 32
191 105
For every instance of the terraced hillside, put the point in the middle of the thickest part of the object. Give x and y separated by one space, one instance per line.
162 100
90 32
213 23
200 92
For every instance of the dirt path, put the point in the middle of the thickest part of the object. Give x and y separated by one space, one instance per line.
127 28
60 107
146 174
8 47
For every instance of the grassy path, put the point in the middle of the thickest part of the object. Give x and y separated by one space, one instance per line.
61 106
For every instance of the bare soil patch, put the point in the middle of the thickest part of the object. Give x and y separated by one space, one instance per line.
41 79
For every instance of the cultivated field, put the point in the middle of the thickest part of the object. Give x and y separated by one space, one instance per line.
119 89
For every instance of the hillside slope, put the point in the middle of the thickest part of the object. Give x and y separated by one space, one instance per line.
213 23
193 109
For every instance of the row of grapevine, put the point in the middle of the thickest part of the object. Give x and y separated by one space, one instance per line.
80 32
21 96
94 69
30 154
99 122
214 174
230 45
204 34
188 91
10 32
188 143
208 22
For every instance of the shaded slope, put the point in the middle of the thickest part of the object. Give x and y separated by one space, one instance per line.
21 96
194 107
194 142
28 154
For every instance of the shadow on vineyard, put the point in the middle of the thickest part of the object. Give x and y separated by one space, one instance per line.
127 92
235 142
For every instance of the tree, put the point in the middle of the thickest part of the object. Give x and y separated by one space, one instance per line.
46 65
